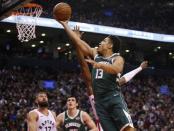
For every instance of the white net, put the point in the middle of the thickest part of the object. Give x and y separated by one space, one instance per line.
26 18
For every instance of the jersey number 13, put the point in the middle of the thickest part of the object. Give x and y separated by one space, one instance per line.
99 74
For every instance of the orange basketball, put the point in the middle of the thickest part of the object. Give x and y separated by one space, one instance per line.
62 11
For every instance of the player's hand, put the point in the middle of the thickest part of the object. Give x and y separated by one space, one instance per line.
77 31
93 63
144 64
63 22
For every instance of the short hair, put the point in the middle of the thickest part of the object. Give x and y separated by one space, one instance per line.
73 97
41 92
115 40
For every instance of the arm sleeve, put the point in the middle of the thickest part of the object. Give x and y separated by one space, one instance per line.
128 76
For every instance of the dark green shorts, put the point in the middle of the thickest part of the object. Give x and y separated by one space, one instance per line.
113 113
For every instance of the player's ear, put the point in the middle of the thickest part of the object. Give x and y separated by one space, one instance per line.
36 101
110 46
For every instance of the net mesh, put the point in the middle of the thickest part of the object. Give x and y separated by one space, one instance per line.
26 19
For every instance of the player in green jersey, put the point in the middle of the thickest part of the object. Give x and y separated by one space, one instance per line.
110 104
74 119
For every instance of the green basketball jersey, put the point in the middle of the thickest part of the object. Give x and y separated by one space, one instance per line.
104 83
75 123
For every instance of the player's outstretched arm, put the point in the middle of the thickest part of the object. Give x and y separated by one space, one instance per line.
85 71
115 68
31 121
84 47
128 76
89 122
84 66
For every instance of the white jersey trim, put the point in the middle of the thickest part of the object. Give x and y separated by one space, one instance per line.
38 112
74 115
63 117
117 54
81 117
129 119
95 56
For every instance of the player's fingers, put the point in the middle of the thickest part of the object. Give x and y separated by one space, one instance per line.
89 58
75 28
89 61
78 28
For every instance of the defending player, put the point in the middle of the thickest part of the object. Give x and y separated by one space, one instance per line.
41 119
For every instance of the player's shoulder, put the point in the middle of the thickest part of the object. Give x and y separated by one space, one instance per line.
60 118
53 113
34 111
117 56
84 114
32 114
85 117
61 115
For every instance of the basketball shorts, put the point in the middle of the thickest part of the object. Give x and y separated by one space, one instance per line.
113 113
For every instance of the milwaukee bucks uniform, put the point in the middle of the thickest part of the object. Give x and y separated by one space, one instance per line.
110 105
73 123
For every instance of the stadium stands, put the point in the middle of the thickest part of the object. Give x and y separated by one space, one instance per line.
150 109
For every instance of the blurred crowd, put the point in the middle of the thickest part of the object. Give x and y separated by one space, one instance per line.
152 16
150 109
18 87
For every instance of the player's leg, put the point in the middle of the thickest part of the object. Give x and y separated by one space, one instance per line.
129 128
105 119
120 114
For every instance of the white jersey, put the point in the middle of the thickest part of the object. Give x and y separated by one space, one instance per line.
44 122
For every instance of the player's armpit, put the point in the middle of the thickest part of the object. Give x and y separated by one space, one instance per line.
31 121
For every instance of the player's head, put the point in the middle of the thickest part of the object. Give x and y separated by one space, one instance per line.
72 102
111 43
42 99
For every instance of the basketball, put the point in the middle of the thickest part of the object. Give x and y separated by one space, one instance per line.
62 11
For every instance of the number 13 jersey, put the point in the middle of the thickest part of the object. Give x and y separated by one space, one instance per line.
104 83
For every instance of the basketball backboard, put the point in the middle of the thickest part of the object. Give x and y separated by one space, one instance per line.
7 6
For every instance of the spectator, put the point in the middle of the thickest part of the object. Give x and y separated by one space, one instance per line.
150 109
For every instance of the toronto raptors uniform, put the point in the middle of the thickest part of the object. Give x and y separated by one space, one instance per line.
45 122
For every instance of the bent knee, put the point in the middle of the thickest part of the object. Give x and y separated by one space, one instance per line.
129 128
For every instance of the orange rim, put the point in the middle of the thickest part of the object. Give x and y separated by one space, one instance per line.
32 5
29 5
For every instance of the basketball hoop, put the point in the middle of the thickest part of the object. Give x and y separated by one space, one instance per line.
26 18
